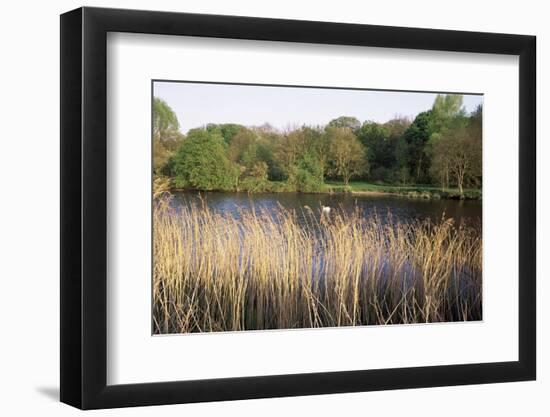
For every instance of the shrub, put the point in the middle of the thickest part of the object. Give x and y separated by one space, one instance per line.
201 163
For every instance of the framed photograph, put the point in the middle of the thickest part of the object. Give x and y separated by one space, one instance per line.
256 208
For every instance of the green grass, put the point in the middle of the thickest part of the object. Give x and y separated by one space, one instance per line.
411 191
420 191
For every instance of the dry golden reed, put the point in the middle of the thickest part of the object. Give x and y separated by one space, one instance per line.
280 269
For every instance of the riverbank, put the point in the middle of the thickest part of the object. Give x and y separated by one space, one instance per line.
413 191
354 188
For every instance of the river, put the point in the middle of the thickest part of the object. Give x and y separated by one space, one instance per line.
401 209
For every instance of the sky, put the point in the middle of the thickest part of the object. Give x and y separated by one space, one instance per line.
198 104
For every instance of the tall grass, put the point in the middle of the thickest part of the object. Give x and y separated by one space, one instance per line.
280 269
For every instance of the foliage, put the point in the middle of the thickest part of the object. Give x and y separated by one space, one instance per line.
347 155
227 130
345 121
240 145
166 136
457 158
416 136
309 177
375 138
445 110
201 163
165 121
230 156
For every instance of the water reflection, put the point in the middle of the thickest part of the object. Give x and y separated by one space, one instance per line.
399 208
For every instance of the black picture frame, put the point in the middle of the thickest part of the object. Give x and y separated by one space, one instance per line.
84 207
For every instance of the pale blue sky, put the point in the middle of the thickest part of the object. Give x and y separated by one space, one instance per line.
199 104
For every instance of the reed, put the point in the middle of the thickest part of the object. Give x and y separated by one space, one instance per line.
282 269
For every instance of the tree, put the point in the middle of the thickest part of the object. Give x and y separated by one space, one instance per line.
381 155
265 149
309 174
226 130
240 144
476 119
302 154
447 112
315 150
165 121
346 154
476 126
449 127
161 157
201 163
416 137
457 158
397 126
166 135
349 122
293 145
253 154
447 106
399 171
232 156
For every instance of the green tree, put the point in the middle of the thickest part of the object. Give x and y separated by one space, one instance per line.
252 156
291 146
399 172
166 135
349 122
447 113
309 174
265 149
447 126
476 131
240 144
445 107
381 155
201 163
315 149
416 137
346 154
397 127
301 149
165 121
457 158
401 169
226 130
476 119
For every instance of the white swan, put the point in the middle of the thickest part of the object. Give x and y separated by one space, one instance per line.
325 210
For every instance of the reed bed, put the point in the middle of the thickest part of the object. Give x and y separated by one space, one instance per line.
280 269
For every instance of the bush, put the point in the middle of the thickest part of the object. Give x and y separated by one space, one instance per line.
309 175
201 163
307 182
253 184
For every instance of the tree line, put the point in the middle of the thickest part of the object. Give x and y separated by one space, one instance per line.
440 147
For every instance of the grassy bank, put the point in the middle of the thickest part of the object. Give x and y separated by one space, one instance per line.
213 272
354 187
412 191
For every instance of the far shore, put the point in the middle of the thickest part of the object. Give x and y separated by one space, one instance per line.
373 190
408 191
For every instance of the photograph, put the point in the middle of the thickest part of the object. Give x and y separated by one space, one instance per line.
286 207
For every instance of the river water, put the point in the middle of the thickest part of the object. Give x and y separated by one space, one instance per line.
401 209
